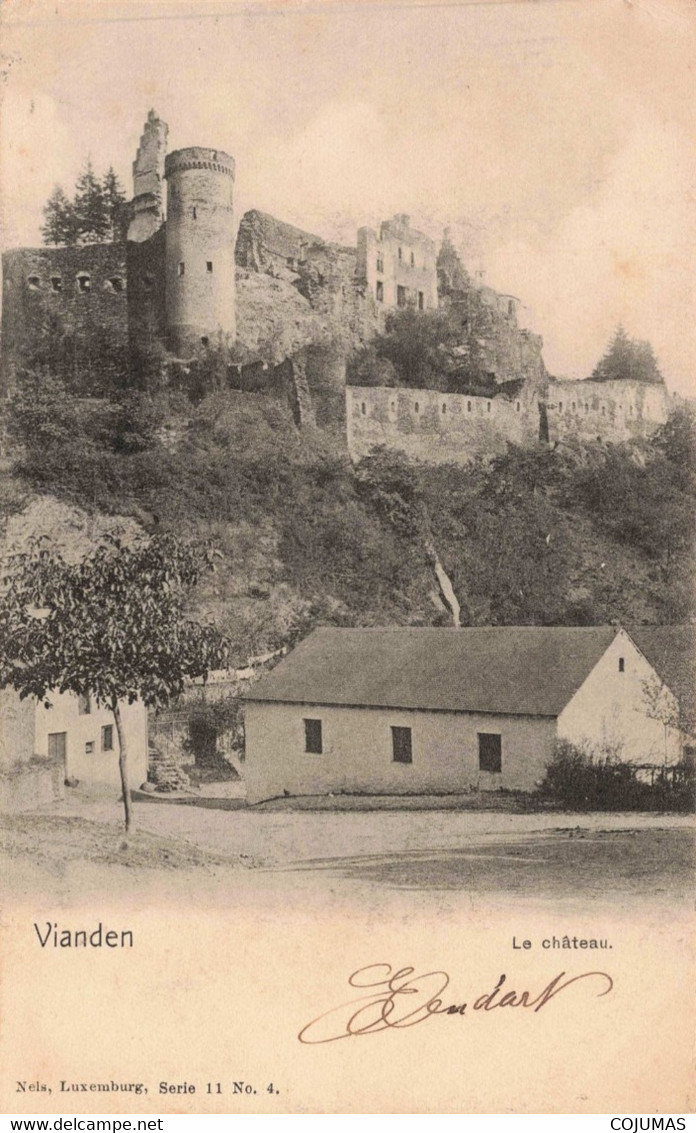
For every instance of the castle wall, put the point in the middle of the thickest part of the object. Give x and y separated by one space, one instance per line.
146 293
200 265
80 291
441 427
608 411
397 267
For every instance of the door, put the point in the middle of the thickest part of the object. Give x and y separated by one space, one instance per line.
57 745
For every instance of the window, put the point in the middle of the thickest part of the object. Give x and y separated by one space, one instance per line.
511 307
421 301
107 737
401 254
417 407
34 282
413 260
603 411
204 340
56 283
181 268
380 262
209 266
622 665
560 407
490 752
84 282
363 408
444 407
84 705
114 284
401 745
488 407
89 747
400 296
194 214
517 407
379 291
312 732
468 407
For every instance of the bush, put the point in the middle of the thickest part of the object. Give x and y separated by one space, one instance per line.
583 778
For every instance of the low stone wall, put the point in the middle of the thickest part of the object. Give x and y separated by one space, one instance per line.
29 786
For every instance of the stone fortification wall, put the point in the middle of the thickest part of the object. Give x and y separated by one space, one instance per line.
146 293
79 291
427 425
608 411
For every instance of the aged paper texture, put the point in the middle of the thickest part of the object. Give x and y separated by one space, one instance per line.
349 959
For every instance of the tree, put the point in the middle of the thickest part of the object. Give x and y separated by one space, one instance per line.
112 627
114 200
92 216
627 358
90 207
60 225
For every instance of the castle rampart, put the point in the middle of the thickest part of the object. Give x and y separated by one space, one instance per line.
79 291
437 427
450 427
607 411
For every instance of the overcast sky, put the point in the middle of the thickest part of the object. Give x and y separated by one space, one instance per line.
555 138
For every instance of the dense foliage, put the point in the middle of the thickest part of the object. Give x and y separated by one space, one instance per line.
440 349
592 535
581 779
93 214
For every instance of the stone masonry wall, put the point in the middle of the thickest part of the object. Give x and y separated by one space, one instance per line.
427 425
432 426
82 289
607 411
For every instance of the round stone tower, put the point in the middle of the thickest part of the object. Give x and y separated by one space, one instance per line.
200 284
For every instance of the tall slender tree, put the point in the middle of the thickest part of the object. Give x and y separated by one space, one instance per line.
91 209
114 199
60 223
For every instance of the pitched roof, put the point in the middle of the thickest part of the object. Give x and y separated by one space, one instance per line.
519 670
671 650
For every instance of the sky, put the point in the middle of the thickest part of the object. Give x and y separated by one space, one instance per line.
556 138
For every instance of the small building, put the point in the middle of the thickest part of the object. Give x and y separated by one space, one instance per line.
73 739
430 710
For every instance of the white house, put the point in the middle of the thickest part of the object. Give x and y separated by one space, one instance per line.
404 710
73 739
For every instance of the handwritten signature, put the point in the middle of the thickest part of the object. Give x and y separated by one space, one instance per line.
400 998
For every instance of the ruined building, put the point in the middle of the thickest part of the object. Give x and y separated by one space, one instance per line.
176 281
169 280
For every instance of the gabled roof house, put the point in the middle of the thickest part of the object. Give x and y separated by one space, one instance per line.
431 710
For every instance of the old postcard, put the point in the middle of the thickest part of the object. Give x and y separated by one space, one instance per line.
347 611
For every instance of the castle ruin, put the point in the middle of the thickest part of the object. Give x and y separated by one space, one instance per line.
176 279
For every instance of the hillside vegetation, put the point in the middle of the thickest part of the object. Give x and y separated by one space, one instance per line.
583 535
